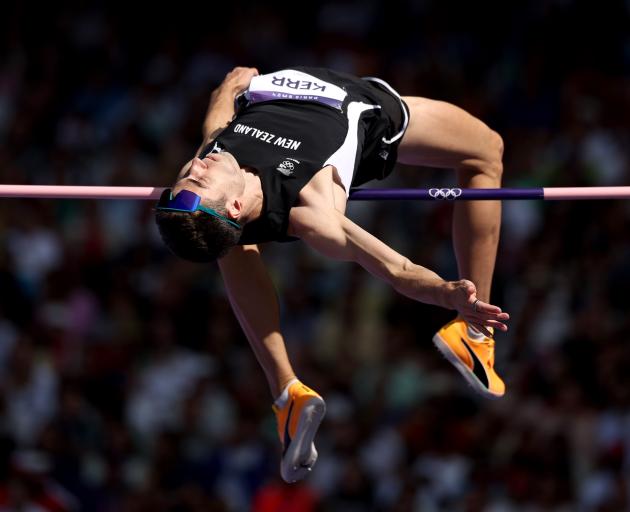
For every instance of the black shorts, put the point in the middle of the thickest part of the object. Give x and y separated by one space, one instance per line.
383 128
380 150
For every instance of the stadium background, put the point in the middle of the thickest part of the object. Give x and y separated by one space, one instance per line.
125 383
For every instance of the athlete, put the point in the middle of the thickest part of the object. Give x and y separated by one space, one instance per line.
280 152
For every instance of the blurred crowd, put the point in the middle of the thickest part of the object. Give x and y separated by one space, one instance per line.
125 381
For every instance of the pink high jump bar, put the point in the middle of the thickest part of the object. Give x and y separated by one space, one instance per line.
357 194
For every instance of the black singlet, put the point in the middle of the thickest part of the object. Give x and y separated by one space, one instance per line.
292 123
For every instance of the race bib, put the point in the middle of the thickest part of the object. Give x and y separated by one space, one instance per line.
294 85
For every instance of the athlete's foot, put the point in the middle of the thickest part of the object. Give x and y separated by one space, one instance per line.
299 411
473 357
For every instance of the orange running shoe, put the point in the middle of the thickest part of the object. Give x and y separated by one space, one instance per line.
298 420
473 358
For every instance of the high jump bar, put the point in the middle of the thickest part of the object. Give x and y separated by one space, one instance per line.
356 194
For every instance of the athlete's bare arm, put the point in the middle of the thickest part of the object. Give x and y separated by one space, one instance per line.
255 304
329 232
221 108
248 284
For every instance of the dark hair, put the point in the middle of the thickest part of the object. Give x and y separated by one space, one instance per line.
197 236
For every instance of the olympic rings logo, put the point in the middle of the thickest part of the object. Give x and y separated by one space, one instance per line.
445 193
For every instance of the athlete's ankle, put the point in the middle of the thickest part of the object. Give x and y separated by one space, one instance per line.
473 333
283 396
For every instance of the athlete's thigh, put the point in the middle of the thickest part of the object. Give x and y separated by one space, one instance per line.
443 135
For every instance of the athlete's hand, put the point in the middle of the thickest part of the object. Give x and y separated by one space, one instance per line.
238 80
479 314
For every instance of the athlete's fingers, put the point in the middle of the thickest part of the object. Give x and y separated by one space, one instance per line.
494 320
480 306
490 322
480 315
490 319
485 322
495 325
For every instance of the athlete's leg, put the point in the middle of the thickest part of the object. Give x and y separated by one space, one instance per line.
443 135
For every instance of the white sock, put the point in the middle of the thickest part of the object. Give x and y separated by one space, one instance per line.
281 401
474 334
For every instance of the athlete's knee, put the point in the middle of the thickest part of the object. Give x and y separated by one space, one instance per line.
493 161
498 147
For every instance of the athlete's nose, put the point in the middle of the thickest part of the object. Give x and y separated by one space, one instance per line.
197 167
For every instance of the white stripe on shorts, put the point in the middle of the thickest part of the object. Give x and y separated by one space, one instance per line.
345 157
400 100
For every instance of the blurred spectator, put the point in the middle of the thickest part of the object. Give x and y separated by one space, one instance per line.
29 487
168 377
29 392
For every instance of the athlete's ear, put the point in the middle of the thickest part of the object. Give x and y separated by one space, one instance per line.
234 208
